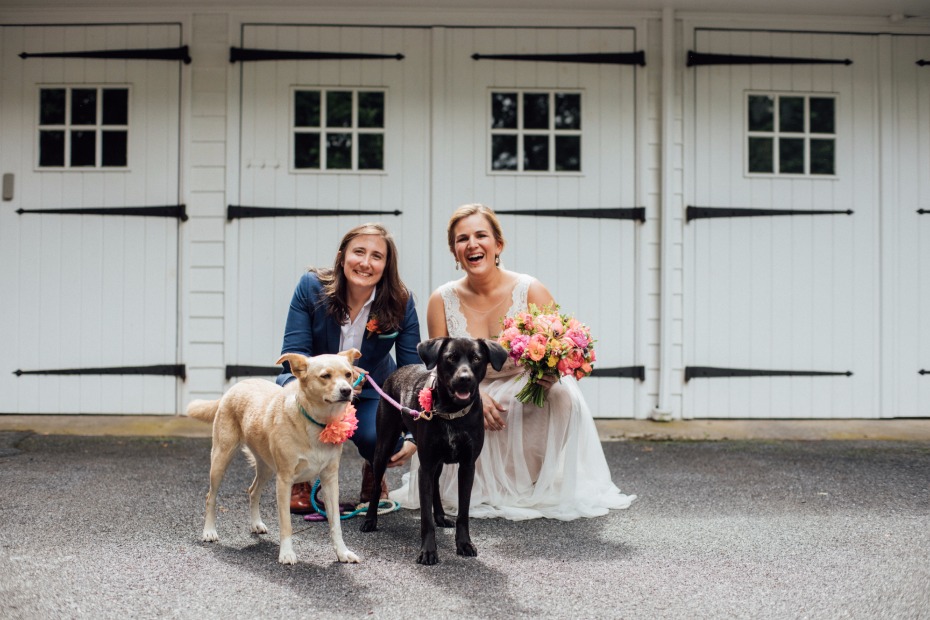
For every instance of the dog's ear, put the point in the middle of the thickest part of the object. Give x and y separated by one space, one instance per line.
428 351
296 362
497 354
351 355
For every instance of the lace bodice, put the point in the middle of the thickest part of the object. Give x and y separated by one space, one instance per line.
457 324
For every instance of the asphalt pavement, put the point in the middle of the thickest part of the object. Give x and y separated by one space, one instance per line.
109 527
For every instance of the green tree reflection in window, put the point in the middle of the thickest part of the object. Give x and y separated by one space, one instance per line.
535 131
338 129
791 134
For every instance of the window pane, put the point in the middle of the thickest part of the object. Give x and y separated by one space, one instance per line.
823 156
115 106
791 114
52 106
822 115
503 152
339 151
84 106
503 110
567 153
371 151
760 155
567 111
761 113
51 148
83 148
307 108
370 109
338 109
536 152
791 156
535 110
307 150
113 148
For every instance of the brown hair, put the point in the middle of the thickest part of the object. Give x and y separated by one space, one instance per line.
468 210
391 296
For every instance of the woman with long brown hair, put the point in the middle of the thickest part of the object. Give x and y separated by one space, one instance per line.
360 302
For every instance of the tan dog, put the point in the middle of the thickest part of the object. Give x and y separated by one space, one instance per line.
279 439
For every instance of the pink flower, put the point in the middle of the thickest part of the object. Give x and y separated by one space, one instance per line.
507 336
578 337
425 398
341 428
536 350
564 366
518 346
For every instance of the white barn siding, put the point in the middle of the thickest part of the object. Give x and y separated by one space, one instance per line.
893 239
204 334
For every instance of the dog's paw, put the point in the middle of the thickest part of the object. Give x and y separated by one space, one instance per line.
259 528
428 557
443 521
347 557
466 548
210 536
367 526
287 557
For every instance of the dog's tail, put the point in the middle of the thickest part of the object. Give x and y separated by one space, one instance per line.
203 410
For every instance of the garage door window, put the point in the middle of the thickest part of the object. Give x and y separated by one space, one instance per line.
791 134
535 132
83 127
338 130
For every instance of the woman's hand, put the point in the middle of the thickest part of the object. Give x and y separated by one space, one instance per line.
364 373
492 413
547 381
403 455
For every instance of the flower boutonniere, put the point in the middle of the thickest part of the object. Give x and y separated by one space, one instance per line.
425 398
372 325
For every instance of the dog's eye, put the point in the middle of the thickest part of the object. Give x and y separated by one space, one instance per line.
476 358
326 375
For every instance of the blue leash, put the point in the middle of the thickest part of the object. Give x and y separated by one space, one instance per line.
384 506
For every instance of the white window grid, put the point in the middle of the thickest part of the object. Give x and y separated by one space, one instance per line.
519 132
323 130
806 135
98 128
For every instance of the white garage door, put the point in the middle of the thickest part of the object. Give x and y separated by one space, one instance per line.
334 126
89 218
541 127
907 222
783 305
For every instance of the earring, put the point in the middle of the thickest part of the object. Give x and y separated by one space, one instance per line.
456 265
497 260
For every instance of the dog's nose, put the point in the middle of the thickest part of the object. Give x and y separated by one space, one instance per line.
345 391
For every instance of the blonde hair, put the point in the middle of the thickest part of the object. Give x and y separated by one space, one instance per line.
468 210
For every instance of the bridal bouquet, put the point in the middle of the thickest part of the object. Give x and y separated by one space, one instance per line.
547 343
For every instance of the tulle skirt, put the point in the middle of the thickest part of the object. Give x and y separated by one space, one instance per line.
547 462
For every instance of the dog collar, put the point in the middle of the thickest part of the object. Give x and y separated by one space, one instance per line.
307 415
338 430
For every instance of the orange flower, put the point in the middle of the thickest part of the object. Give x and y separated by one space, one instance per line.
340 429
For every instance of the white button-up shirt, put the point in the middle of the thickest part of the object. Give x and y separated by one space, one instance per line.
353 332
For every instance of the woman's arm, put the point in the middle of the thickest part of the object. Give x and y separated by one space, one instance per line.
298 330
409 337
436 316
538 294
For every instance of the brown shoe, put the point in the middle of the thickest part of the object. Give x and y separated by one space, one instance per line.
300 499
368 476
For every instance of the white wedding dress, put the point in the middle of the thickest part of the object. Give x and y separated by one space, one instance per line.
547 462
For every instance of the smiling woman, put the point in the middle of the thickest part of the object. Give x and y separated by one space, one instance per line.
339 308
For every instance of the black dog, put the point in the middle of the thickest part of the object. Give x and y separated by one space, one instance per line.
454 434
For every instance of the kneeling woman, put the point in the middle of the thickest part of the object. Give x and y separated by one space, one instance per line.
362 303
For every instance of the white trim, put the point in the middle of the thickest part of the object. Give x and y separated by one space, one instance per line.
663 409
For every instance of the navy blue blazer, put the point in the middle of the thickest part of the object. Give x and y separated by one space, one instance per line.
311 331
